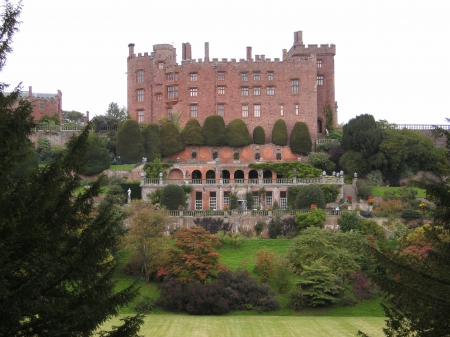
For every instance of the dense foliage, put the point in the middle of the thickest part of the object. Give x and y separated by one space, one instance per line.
259 135
286 169
171 141
237 133
213 225
300 141
97 156
361 134
152 142
279 133
214 131
172 197
192 133
310 195
130 143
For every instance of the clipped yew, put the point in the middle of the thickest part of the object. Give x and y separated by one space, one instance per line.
259 135
152 142
300 142
214 131
130 142
279 133
171 141
237 133
192 133
172 197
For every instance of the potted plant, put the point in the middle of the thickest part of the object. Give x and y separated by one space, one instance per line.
370 201
349 202
357 209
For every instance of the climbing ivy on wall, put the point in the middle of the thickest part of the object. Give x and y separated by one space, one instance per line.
286 170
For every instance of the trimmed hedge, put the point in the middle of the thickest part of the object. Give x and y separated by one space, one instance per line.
237 133
214 131
152 142
308 195
171 141
172 196
192 133
259 135
279 133
136 190
97 156
130 142
300 139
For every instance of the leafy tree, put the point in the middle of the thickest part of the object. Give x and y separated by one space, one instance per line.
192 133
353 162
194 257
349 221
316 218
407 194
279 133
213 225
73 117
28 162
374 178
172 197
97 156
300 141
330 192
319 286
237 133
335 153
154 168
152 142
264 264
130 143
119 113
259 135
274 228
309 195
321 161
145 240
56 252
392 147
282 274
328 113
361 134
171 141
50 119
214 131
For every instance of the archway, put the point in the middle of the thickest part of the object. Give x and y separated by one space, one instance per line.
175 174
319 126
239 176
267 176
253 177
225 176
210 177
196 177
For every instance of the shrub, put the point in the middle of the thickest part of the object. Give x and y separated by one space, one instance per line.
389 195
321 161
213 225
372 228
308 195
316 218
282 274
374 178
352 162
296 299
136 190
259 227
330 192
152 142
145 304
389 207
361 286
288 226
130 142
274 228
237 133
192 133
279 133
349 221
172 196
301 140
259 136
363 191
264 264
407 194
411 214
214 131
171 141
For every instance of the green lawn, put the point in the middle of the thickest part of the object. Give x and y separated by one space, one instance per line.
122 167
378 191
256 326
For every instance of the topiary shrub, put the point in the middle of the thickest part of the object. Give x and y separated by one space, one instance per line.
279 133
349 221
130 142
330 192
300 139
237 133
172 196
309 195
214 131
152 142
171 141
192 133
259 135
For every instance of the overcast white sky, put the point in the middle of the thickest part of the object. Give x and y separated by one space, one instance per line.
392 56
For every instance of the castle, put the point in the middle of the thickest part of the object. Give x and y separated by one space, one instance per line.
257 89
43 104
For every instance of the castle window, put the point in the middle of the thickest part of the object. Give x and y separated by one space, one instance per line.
281 110
244 76
257 91
193 92
172 76
212 200
257 76
244 91
319 80
140 116
278 154
269 199
270 91
221 90
42 106
140 95
296 109
270 76
140 76
193 77
244 111
319 63
256 110
194 111
160 65
158 96
169 113
221 75
221 109
294 85
172 91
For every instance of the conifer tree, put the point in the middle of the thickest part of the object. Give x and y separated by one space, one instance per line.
259 136
130 143
171 141
97 156
279 133
192 133
214 131
152 142
237 133
300 139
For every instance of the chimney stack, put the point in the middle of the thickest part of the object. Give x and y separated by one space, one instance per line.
249 53
131 50
206 51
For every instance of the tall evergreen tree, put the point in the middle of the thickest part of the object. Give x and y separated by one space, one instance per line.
152 142
130 143
300 141
362 134
214 131
171 141
279 133
97 156
192 133
259 136
237 133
